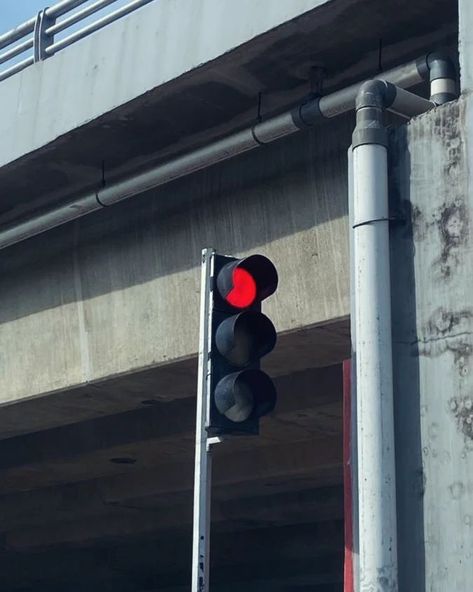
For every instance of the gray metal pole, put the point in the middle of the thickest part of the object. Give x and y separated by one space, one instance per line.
203 460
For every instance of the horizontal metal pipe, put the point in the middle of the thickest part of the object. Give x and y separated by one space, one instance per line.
14 51
78 16
106 20
221 150
274 128
343 100
179 167
63 7
49 220
16 68
17 33
409 104
262 133
407 75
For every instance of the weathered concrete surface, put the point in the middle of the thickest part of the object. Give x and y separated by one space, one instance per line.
131 95
118 292
465 8
162 433
73 520
150 47
433 345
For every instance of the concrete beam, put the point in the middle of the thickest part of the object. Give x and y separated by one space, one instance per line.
117 583
313 552
258 466
127 59
327 344
269 585
133 520
268 74
309 400
118 292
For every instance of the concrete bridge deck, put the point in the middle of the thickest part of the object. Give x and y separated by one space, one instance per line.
98 319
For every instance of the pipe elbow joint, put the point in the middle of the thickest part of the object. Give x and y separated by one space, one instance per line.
440 66
442 76
439 69
371 101
375 94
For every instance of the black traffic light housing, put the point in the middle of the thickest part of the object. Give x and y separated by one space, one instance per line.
240 393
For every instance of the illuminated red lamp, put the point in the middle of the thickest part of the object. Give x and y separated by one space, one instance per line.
243 293
244 282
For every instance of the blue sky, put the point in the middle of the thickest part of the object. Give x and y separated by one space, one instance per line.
14 12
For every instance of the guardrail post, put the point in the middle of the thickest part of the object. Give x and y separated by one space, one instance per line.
41 39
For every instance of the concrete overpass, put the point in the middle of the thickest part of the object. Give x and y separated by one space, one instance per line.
99 317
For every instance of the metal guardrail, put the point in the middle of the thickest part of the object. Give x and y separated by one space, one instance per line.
39 32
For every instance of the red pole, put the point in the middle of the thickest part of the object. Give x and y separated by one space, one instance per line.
347 479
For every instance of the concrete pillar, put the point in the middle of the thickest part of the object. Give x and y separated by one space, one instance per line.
465 9
432 262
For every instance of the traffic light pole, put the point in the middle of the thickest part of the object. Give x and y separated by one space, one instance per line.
203 456
233 393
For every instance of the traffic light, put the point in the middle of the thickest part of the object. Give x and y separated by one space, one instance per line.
240 393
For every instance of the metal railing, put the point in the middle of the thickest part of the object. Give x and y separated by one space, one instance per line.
39 33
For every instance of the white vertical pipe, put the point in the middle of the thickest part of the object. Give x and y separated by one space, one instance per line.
353 424
375 429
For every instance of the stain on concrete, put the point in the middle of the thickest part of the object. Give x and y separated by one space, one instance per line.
419 225
446 124
456 490
448 331
386 581
453 226
452 218
446 222
462 410
433 431
451 221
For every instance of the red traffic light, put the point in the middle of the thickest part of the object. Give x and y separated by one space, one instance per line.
240 393
243 282
243 292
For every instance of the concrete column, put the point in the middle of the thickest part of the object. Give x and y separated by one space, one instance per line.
465 9
432 279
